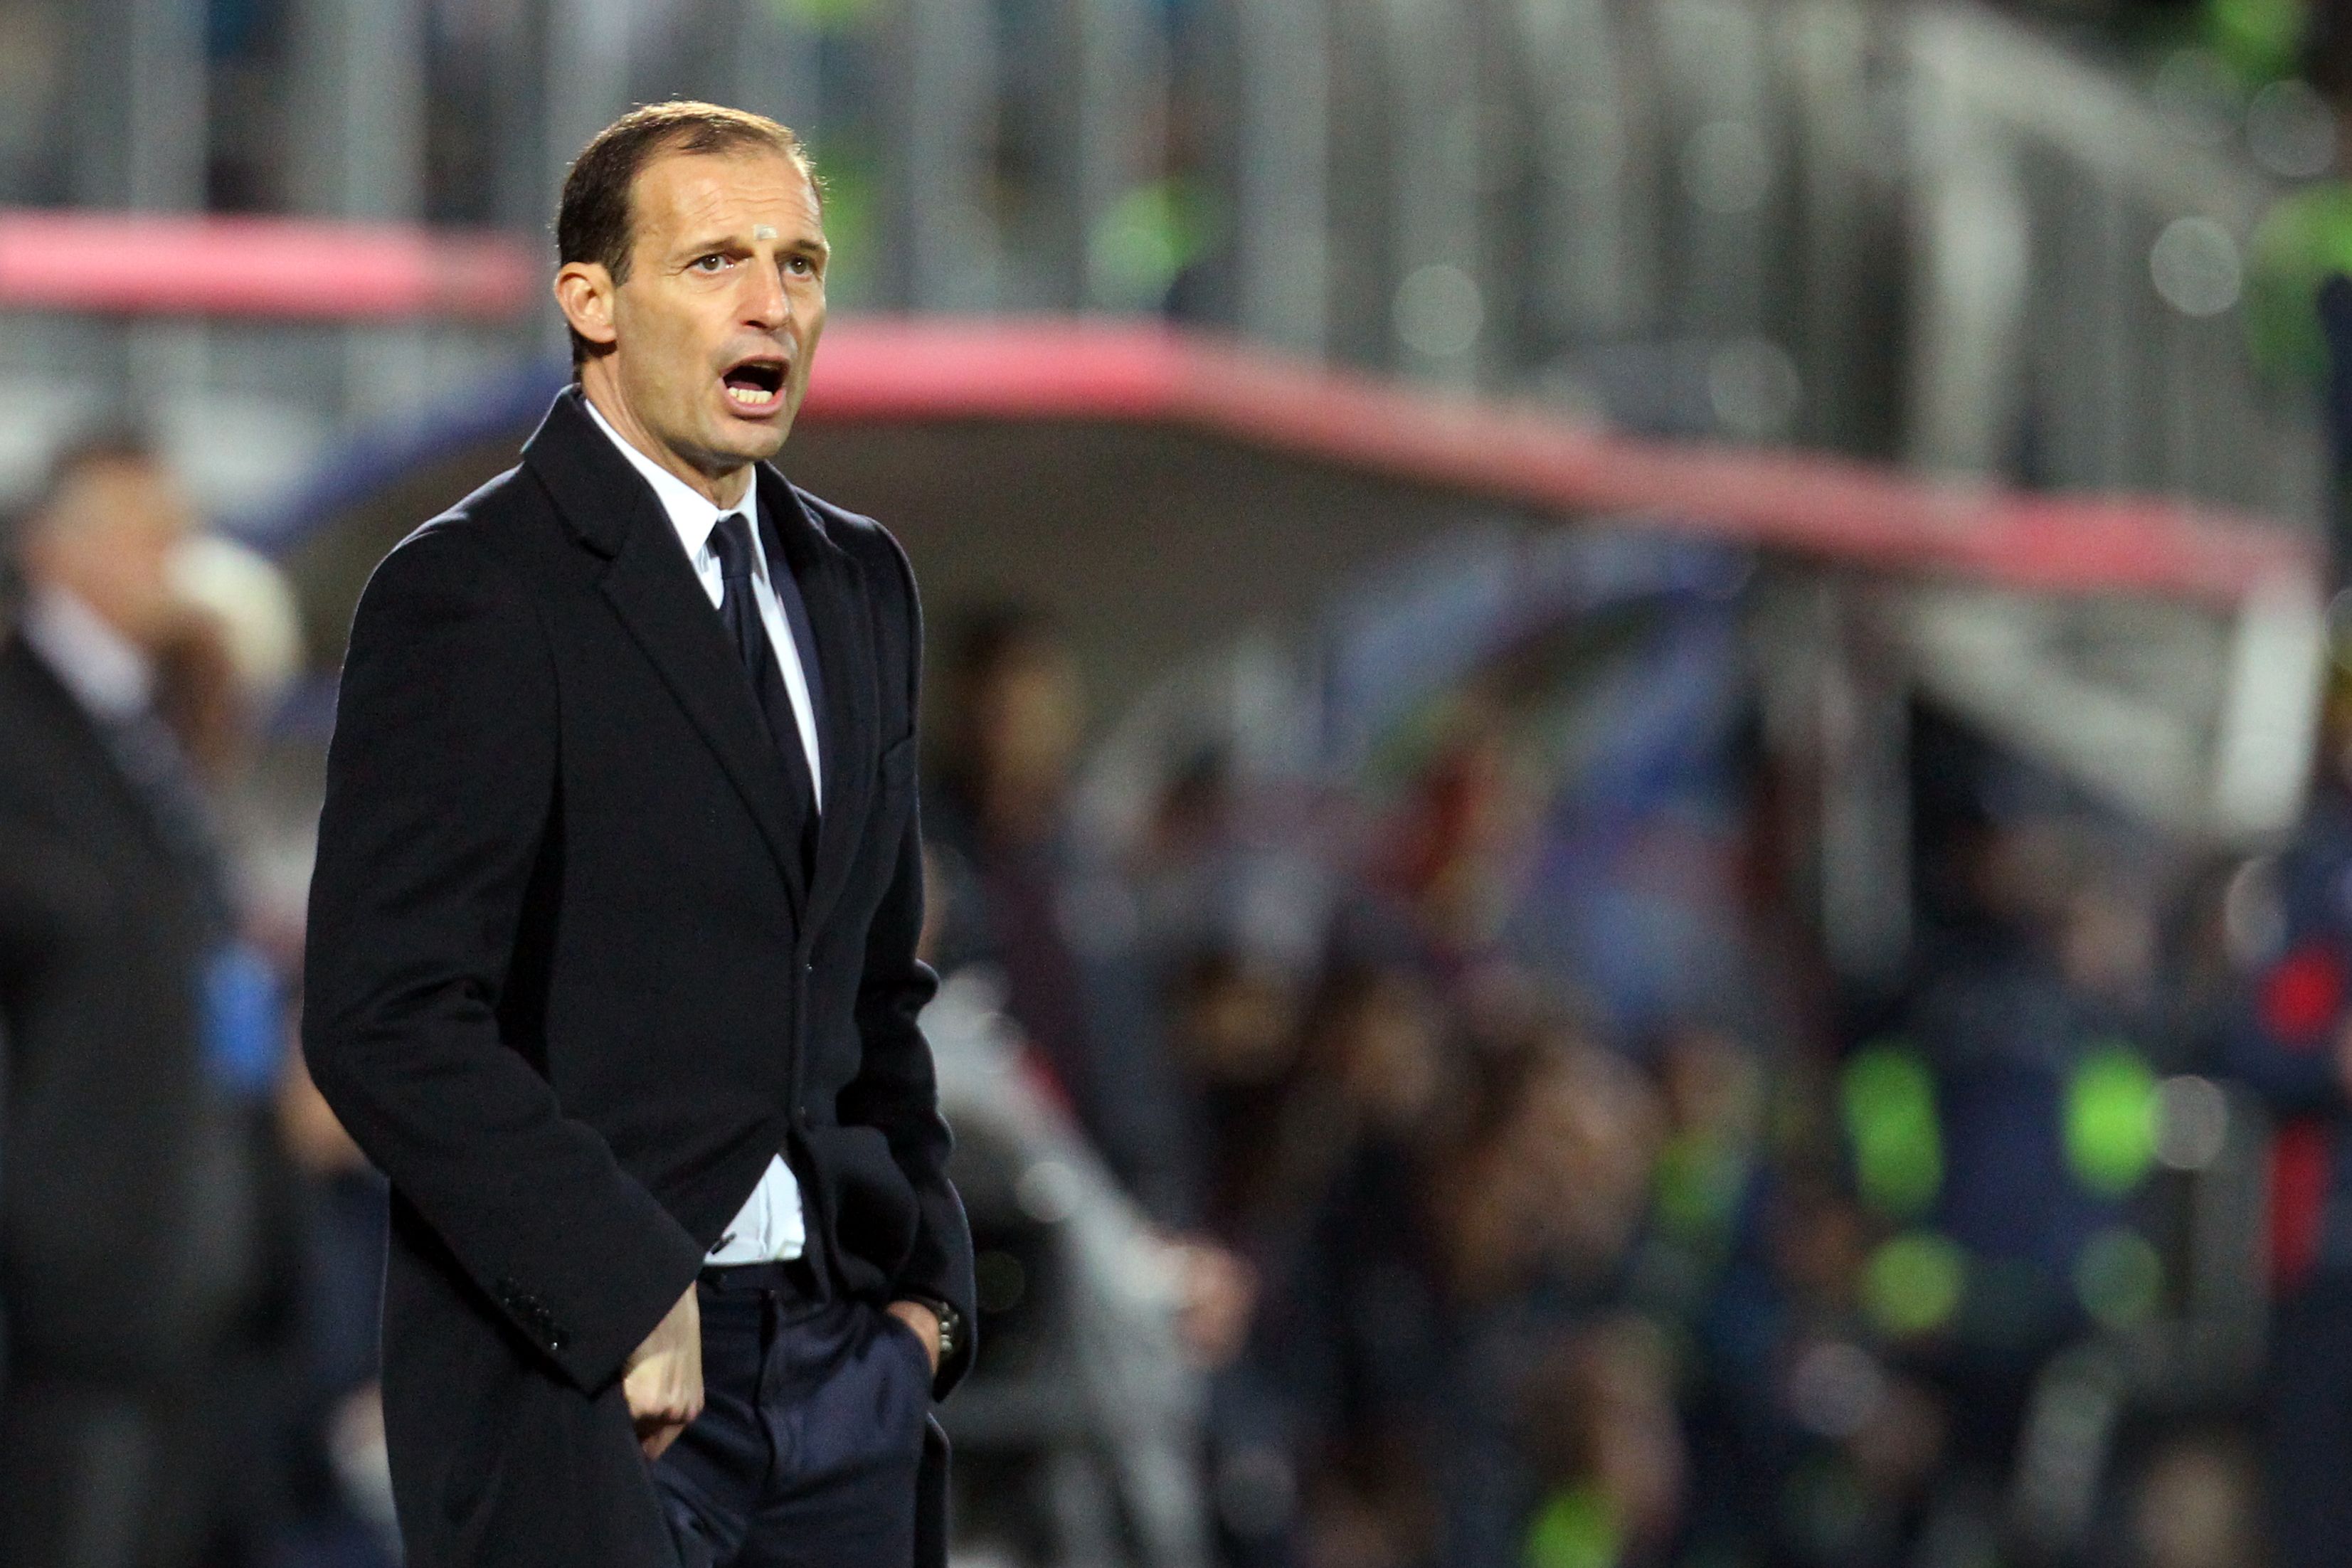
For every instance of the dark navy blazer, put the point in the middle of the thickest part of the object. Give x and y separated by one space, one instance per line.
570 986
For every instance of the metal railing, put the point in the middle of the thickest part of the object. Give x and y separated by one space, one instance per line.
1921 232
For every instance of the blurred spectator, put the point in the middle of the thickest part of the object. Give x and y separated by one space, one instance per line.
1608 1445
1024 897
140 1236
2292 1042
1478 1282
1439 1273
2029 1021
1841 1445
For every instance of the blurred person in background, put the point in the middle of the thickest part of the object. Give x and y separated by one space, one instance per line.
1607 1446
136 1208
1159 1057
1026 898
2291 1041
1441 1272
1843 1439
2003 1135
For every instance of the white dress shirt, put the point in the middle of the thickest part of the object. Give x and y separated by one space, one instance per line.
105 672
770 1226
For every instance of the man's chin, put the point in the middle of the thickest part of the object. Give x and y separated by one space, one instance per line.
721 444
753 441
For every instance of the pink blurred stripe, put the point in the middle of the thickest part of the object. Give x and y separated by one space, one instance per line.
172 264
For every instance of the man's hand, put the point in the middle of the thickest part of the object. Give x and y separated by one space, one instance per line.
926 1324
663 1378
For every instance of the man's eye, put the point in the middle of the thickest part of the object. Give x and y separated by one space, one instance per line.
711 263
802 265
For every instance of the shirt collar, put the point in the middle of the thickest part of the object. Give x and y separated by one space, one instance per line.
106 671
691 514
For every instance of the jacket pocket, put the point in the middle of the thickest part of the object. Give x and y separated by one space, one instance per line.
873 1203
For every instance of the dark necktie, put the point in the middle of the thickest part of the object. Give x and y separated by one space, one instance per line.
731 542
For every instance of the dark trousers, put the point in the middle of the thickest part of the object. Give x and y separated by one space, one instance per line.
811 1429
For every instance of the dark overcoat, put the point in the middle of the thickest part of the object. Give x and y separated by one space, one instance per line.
114 1145
570 986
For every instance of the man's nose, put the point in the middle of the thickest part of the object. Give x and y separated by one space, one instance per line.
771 303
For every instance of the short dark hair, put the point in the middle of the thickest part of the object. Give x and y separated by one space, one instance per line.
593 222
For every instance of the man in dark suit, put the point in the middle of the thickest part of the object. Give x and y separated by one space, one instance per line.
127 1197
612 964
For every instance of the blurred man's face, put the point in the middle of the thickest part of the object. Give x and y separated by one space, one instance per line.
712 334
1031 717
108 540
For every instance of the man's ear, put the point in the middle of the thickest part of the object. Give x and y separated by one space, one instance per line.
584 292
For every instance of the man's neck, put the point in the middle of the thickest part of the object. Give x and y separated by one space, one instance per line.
723 490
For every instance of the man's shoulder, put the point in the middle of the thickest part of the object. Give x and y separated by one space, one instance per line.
859 536
497 528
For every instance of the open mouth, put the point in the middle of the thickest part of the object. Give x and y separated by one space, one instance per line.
755 385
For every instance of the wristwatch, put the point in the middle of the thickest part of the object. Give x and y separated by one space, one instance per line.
951 1321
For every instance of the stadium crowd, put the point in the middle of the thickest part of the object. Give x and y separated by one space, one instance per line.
1495 1261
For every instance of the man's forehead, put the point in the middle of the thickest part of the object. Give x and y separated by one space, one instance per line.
123 485
117 475
735 190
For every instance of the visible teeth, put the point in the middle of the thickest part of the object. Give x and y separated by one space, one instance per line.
750 394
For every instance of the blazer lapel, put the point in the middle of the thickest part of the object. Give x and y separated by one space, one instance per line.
833 592
653 588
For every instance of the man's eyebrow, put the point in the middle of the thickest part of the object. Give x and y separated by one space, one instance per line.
814 243
708 245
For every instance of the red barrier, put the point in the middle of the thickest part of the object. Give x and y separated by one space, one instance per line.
174 264
930 369
1015 370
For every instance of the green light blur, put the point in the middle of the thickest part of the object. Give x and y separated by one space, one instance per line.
2111 1119
823 16
1912 1284
1576 1528
1698 1186
2119 1278
2302 240
1889 1098
2260 40
1149 235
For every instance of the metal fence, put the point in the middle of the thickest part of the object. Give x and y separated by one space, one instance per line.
1919 232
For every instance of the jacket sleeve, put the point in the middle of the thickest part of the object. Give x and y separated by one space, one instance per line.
440 785
896 1089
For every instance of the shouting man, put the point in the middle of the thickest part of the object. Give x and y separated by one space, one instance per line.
612 957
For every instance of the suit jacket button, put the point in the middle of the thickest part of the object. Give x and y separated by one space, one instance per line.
803 1115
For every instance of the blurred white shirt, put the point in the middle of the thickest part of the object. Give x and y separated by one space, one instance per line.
771 1225
105 672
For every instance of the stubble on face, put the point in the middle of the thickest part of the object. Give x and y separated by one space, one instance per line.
718 321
